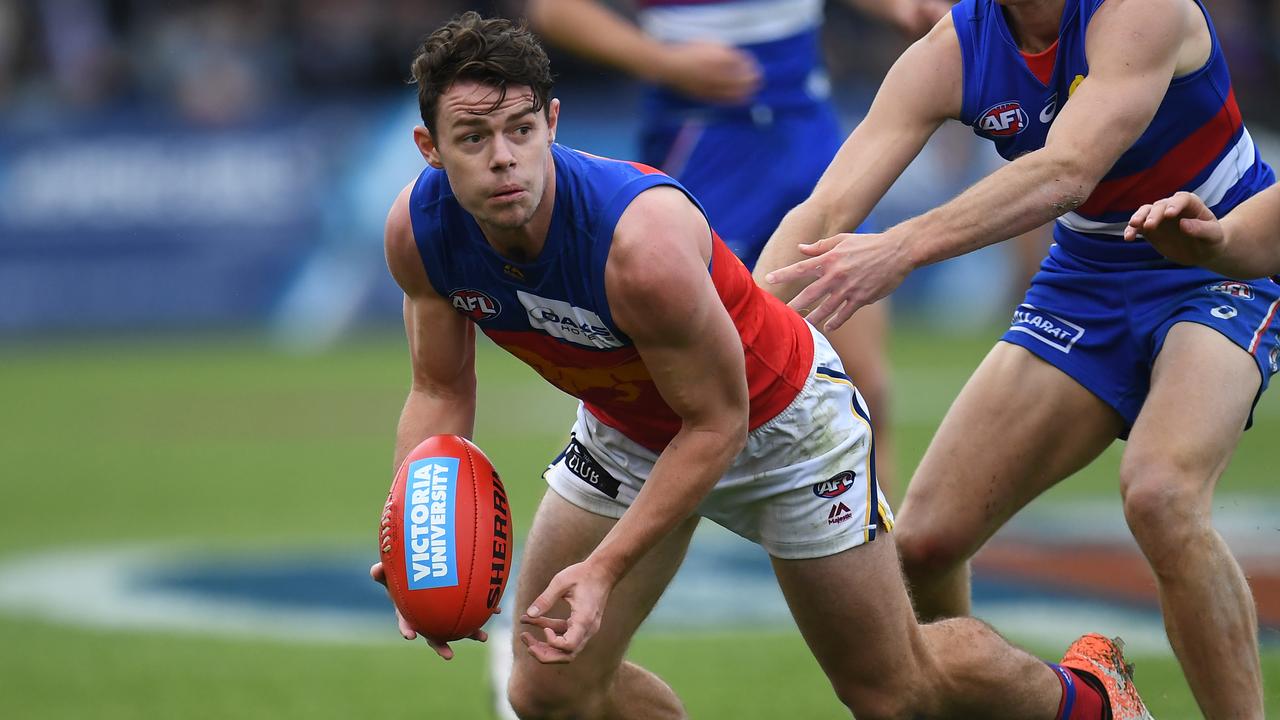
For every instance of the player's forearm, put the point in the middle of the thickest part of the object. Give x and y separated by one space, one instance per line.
805 222
595 32
1017 198
1252 232
428 413
687 469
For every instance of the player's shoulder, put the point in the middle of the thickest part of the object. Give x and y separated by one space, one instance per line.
660 233
401 247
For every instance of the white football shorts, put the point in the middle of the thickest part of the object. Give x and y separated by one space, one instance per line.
803 487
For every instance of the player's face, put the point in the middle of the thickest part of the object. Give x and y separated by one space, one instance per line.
497 159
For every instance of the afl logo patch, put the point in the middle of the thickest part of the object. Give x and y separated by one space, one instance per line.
1003 119
475 304
835 487
1232 288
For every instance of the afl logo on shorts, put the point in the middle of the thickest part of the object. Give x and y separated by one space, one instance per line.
835 487
475 304
1003 119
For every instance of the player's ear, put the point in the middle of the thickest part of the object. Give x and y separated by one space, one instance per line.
427 146
553 116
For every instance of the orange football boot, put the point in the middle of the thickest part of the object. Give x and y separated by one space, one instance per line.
1104 659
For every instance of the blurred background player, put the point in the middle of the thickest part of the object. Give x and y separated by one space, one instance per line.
1243 244
1102 106
701 395
737 107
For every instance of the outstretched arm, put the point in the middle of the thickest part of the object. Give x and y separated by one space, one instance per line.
919 93
661 296
1132 48
706 70
1244 244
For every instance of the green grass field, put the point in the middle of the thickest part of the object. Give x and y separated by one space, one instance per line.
224 442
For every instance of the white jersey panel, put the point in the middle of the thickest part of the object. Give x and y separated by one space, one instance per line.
745 22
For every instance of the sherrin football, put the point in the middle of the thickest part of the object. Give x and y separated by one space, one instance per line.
445 538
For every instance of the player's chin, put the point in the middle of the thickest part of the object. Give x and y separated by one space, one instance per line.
511 217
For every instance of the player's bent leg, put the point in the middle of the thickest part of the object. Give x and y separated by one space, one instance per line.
1018 427
598 683
854 613
862 344
1202 388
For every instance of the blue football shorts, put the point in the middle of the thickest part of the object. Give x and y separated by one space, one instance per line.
1104 323
746 167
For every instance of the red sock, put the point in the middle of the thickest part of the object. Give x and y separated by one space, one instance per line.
1081 699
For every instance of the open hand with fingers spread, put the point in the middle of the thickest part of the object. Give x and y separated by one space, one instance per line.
845 272
586 588
442 648
1181 227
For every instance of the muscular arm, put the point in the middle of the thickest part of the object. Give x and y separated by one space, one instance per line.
1244 244
1133 48
661 296
442 392
919 93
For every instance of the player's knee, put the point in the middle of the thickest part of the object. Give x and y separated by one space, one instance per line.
926 554
546 699
1164 505
882 701
1158 493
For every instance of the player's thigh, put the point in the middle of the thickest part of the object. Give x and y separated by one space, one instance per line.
854 613
1203 387
1019 426
563 534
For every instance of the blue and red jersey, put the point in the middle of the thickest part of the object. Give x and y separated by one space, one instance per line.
1197 140
553 313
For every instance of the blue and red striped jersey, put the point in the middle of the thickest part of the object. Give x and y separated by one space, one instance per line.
1197 140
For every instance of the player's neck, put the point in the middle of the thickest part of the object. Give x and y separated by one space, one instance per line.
1035 23
523 244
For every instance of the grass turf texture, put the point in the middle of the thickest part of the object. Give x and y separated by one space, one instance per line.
224 442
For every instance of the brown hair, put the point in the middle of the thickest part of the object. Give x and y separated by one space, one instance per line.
493 51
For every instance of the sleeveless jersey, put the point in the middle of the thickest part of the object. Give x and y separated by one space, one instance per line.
1196 141
782 35
553 313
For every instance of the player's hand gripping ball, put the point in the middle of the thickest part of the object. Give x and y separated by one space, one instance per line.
445 538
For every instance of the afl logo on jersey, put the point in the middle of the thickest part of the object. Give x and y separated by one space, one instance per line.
835 487
1003 119
475 304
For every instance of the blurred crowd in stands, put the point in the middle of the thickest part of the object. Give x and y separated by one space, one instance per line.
222 61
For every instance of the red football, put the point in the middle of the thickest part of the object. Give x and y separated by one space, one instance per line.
445 539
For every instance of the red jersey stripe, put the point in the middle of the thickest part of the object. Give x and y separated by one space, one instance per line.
1173 171
1041 63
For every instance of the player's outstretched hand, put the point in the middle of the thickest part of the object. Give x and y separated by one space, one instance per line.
442 648
1181 227
846 272
586 589
710 71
